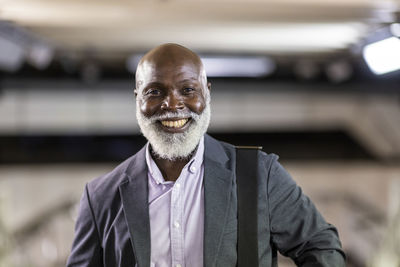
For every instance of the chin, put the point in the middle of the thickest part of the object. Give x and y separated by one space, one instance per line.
172 146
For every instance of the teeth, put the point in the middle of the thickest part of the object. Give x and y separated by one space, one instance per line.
174 124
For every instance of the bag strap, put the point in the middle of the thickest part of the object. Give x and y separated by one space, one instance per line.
247 183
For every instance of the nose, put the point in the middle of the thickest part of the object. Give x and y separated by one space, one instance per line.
172 102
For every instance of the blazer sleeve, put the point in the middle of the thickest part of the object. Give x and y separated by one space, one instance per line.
86 248
297 228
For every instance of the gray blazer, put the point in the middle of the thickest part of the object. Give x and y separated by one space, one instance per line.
113 227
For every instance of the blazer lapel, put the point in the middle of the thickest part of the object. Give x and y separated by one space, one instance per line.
217 195
134 196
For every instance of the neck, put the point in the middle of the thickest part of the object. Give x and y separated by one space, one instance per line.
171 169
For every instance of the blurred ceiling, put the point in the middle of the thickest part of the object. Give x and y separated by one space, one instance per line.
275 27
316 41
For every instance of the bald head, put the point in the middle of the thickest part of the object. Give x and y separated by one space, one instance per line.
170 54
169 59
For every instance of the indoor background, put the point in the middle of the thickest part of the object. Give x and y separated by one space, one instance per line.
315 81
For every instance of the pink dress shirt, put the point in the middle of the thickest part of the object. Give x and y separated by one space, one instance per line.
177 213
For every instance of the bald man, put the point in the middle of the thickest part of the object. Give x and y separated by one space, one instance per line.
174 203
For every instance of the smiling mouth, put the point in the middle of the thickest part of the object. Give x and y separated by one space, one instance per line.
175 123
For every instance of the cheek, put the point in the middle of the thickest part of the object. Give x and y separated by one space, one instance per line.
197 104
148 108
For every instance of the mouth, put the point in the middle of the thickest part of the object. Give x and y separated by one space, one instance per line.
175 125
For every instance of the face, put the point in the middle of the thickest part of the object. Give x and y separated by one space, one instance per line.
166 88
172 106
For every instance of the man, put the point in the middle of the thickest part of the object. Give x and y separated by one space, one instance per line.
174 203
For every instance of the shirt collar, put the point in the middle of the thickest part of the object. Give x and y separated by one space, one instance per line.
192 166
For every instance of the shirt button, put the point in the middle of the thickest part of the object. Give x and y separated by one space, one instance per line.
178 185
192 168
178 265
176 224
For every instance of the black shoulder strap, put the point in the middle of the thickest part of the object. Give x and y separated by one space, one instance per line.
246 179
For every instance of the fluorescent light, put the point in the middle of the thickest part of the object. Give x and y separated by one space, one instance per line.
224 66
383 56
132 61
40 55
238 66
11 55
395 29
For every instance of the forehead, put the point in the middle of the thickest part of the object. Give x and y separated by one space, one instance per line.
168 72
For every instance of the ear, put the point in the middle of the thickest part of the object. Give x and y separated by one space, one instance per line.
209 86
135 91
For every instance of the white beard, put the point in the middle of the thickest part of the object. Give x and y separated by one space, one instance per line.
172 146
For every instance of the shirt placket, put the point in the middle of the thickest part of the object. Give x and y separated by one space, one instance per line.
176 226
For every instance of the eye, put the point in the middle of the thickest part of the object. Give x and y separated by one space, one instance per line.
187 90
153 91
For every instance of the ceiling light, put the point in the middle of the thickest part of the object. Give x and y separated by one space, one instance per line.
395 29
17 45
383 56
339 71
238 66
11 56
40 55
132 61
224 66
306 70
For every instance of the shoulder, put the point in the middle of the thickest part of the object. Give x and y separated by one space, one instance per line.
266 161
112 178
108 184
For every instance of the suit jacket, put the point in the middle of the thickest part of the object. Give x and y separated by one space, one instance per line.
113 227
